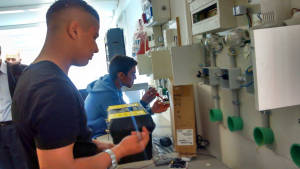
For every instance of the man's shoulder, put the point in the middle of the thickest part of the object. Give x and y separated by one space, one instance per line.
43 78
102 98
105 94
44 71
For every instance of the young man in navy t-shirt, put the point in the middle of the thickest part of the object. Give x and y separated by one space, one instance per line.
47 108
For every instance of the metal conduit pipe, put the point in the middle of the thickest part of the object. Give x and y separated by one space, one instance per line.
215 113
235 122
214 45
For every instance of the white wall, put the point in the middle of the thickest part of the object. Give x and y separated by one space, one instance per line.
129 12
295 3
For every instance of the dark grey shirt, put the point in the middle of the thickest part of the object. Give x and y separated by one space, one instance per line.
49 113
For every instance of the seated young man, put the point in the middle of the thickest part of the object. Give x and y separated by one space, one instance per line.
107 91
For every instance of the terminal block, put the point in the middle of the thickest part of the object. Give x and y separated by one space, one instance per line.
229 78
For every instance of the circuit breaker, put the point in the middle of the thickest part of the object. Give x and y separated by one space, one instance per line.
229 78
211 15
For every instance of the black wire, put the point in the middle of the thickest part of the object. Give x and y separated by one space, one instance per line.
249 20
259 16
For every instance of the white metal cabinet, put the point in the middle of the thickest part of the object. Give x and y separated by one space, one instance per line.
277 67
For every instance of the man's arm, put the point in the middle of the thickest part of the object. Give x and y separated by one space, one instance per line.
149 96
62 158
102 146
158 105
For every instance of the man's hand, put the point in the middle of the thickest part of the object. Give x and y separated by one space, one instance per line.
102 145
149 95
159 107
134 143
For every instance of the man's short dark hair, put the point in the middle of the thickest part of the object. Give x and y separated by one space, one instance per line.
65 4
121 64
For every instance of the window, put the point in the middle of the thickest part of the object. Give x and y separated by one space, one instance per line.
29 42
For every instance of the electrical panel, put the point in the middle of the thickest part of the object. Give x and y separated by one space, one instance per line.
156 12
144 65
178 63
170 37
114 43
212 15
161 64
229 78
185 63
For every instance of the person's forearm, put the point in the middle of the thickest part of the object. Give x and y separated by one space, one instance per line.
99 161
144 104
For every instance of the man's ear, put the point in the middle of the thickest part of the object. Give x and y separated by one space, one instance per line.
121 76
73 30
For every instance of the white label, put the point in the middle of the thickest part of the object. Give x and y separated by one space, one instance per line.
185 137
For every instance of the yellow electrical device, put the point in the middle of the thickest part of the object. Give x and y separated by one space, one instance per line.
125 110
126 118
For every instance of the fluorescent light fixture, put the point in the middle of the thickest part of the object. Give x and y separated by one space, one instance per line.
37 9
9 12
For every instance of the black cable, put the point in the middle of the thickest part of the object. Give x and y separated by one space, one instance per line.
249 20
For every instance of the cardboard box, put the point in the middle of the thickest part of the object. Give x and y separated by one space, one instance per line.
183 119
